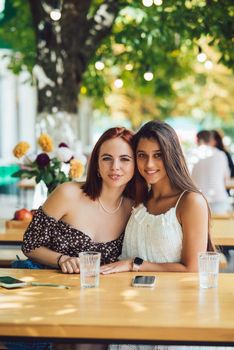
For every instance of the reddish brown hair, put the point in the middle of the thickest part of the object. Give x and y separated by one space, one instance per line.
93 185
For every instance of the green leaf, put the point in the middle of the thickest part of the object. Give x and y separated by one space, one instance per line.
38 178
22 173
61 177
47 178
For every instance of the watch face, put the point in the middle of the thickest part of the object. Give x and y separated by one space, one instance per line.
138 261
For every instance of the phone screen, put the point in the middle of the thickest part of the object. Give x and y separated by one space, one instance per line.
10 280
144 281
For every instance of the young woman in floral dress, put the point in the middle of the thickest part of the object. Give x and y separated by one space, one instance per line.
90 217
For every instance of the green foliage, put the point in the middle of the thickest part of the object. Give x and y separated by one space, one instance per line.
18 34
52 174
164 39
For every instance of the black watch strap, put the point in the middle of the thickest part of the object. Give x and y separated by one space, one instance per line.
136 264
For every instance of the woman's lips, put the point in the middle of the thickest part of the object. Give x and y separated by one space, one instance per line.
114 177
151 172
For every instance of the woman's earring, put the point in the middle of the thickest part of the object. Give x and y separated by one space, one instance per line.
98 174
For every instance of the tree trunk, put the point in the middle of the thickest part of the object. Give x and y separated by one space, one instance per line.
64 49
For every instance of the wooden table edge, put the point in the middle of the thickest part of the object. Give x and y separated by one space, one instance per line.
109 333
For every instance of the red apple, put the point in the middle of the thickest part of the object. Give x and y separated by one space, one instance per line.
23 214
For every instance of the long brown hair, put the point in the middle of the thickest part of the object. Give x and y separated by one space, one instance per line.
93 184
173 159
218 140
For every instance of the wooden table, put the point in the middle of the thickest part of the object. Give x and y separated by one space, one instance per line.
10 246
223 231
12 237
226 216
175 311
230 184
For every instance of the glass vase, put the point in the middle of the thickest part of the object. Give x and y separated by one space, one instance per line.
40 194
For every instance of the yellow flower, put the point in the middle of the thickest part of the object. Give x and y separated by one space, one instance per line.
45 142
76 169
21 149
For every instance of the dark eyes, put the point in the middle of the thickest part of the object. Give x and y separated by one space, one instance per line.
158 155
123 159
144 156
141 155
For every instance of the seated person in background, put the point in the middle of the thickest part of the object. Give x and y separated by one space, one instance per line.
217 141
211 172
90 217
170 225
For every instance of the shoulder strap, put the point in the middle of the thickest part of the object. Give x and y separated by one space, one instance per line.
181 195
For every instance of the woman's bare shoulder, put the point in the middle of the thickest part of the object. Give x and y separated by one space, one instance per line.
59 201
192 201
69 189
192 208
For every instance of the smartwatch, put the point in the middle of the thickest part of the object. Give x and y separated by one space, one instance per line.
136 264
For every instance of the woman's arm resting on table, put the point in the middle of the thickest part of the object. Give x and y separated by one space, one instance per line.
118 266
48 257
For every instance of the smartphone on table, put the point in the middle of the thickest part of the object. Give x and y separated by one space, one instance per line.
11 282
144 281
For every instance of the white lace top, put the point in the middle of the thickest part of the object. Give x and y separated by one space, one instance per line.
155 238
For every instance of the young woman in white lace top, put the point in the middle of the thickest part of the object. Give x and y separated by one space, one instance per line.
170 223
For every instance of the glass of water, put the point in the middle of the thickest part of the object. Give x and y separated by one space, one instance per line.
89 269
208 265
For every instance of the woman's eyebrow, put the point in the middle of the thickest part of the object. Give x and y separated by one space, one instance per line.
121 155
155 151
106 154
126 155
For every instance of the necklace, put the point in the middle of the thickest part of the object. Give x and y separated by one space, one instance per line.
111 211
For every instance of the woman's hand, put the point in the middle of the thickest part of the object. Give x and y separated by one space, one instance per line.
118 266
69 264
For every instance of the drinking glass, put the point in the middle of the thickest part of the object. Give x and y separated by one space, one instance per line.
208 265
89 269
